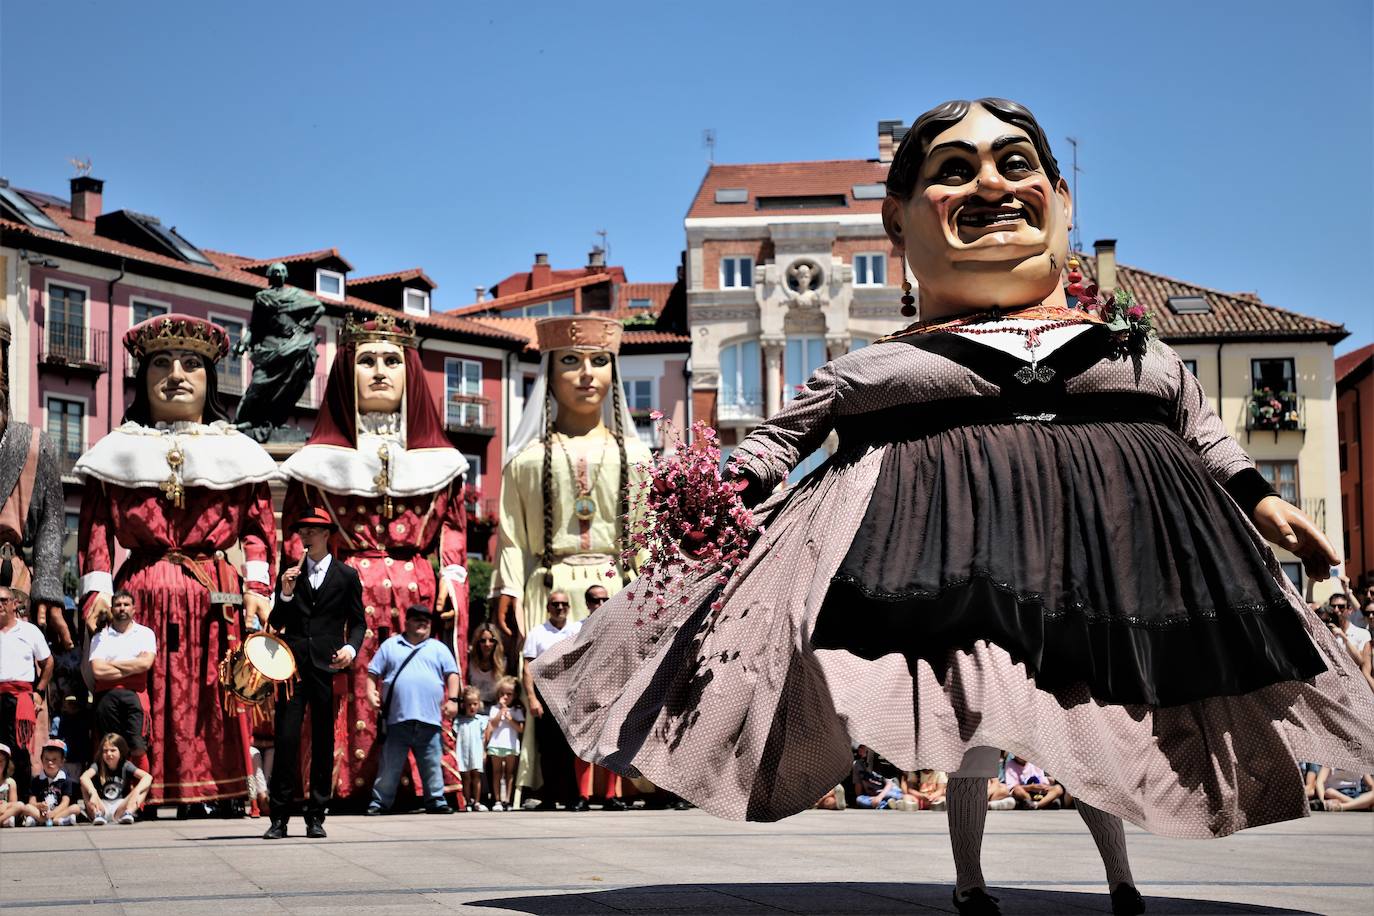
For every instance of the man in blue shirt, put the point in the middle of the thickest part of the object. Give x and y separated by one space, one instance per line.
411 691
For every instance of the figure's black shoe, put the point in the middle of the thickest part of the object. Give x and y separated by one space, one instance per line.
372 811
579 805
683 804
614 804
276 832
977 902
546 805
315 830
1126 901
439 809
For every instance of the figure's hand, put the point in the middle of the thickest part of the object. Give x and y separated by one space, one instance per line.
342 658
1286 526
507 611
51 614
258 607
98 613
373 697
536 708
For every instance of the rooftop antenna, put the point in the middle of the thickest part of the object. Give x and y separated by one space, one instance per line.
605 245
1076 240
708 140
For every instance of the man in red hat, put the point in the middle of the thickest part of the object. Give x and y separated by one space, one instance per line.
319 612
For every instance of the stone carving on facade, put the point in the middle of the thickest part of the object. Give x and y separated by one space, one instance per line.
805 285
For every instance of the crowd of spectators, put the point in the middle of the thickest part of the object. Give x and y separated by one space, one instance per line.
73 728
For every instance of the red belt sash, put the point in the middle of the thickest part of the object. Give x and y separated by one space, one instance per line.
25 715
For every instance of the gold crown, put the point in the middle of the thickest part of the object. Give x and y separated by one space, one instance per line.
177 332
578 332
381 328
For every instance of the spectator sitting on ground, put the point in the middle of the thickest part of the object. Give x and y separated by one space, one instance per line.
505 725
54 800
1031 788
872 789
469 733
113 787
1342 790
122 653
926 788
73 726
832 800
486 662
1309 773
10 802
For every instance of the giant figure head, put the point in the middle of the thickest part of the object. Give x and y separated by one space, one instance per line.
176 379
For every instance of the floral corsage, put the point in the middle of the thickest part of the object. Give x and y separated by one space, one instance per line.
694 519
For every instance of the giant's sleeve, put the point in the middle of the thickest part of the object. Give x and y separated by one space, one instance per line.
46 514
1198 424
259 539
769 453
293 506
95 541
357 622
453 539
514 547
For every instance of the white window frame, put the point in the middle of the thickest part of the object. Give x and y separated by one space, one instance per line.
245 372
871 258
474 474
130 363
737 259
742 408
803 341
48 284
320 274
462 363
405 302
653 388
85 403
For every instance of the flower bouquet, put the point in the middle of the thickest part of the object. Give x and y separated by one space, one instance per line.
694 520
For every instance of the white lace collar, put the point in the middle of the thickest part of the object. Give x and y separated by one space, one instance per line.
212 455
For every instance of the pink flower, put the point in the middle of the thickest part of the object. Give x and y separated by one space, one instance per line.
655 415
1136 311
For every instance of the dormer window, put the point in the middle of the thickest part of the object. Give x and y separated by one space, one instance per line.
416 302
329 284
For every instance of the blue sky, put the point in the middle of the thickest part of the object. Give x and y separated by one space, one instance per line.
1225 143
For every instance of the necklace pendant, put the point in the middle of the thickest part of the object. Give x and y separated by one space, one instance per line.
1034 373
584 507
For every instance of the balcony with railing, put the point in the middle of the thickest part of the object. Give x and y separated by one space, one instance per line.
742 405
68 452
467 413
1275 411
73 347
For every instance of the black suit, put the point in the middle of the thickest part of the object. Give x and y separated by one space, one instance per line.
315 623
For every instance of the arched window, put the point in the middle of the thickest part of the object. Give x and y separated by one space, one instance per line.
803 356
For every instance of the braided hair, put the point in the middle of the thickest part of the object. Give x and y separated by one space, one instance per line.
547 485
623 519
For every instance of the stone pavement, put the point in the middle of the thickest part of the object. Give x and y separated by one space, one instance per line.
668 862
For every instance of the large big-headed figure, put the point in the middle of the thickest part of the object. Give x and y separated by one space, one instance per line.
378 462
567 486
177 487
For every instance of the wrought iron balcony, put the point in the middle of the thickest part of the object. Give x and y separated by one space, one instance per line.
467 413
76 347
740 405
1276 412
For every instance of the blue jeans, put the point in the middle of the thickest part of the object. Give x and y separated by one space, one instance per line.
890 793
402 738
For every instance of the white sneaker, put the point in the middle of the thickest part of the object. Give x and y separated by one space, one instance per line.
68 821
98 821
938 805
1003 804
7 822
127 818
839 797
480 807
29 821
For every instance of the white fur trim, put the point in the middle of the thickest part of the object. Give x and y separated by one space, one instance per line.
455 574
217 456
352 471
96 582
255 570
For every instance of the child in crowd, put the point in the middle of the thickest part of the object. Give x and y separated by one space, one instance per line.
470 732
922 789
1343 790
1031 788
114 788
505 725
52 793
10 803
872 789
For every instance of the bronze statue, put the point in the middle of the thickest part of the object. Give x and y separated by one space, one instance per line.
281 339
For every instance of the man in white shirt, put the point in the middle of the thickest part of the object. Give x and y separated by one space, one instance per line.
121 655
25 668
555 757
1341 609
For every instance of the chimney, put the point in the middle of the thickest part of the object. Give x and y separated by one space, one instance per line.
86 197
480 291
890 133
540 275
1106 264
596 260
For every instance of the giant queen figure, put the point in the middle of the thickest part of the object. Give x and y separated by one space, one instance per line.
378 462
178 487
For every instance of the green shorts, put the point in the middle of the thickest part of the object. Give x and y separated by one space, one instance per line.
502 752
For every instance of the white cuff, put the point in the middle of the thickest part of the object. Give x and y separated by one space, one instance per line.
283 598
352 653
255 571
454 573
96 582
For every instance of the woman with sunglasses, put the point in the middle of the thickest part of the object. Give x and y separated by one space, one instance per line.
486 662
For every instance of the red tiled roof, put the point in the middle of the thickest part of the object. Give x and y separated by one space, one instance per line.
319 255
230 267
413 273
1232 315
657 293
789 179
501 303
655 337
524 327
1347 363
520 282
